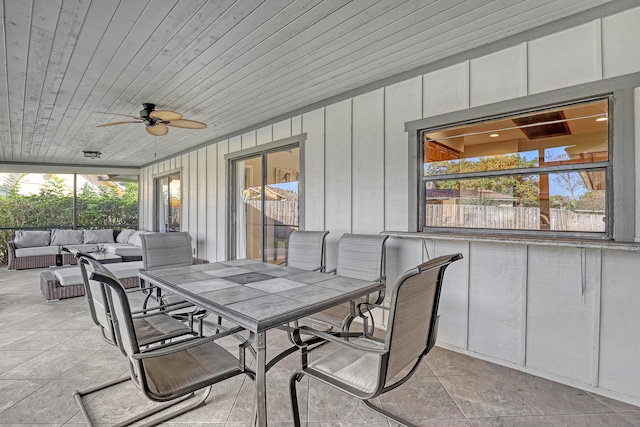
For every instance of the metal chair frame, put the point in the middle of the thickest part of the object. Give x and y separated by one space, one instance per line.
180 243
383 350
122 320
345 251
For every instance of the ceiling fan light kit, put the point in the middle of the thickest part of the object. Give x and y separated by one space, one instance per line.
157 122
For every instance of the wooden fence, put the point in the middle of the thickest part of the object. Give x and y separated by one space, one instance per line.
283 212
512 218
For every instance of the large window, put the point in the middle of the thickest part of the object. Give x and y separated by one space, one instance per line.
547 169
42 201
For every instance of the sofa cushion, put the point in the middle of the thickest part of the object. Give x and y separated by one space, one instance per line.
73 276
124 235
68 276
31 238
123 249
37 251
135 238
98 236
66 237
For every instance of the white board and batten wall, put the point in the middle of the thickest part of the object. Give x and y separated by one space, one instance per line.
565 313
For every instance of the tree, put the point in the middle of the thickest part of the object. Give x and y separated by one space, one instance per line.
10 182
113 206
525 188
570 181
592 201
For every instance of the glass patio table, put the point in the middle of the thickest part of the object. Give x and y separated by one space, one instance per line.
258 296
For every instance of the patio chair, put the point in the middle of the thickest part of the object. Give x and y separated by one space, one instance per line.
306 250
360 256
151 325
368 367
169 373
166 250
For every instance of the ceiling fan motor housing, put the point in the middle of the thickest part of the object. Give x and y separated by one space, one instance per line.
147 109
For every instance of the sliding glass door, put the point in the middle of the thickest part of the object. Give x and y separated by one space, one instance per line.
264 203
168 203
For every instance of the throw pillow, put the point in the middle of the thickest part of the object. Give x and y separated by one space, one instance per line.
31 238
135 238
98 236
124 235
66 237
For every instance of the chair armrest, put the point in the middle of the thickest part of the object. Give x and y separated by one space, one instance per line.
11 248
187 344
160 308
335 338
11 254
368 306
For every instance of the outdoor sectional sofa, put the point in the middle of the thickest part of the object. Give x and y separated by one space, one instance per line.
38 249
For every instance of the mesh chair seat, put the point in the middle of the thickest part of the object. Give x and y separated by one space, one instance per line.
352 366
152 328
177 373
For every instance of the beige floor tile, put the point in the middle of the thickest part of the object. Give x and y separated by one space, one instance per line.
551 398
47 365
421 398
41 340
529 421
328 405
455 422
632 417
589 420
12 391
485 396
217 407
52 403
446 362
616 405
11 359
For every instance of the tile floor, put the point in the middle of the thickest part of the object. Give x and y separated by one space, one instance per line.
48 350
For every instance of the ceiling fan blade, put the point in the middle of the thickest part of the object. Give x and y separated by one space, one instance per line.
165 115
187 124
117 114
158 129
116 123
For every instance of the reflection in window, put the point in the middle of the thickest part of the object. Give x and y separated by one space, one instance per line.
543 170
168 203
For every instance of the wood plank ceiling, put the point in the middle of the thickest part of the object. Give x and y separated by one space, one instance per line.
230 64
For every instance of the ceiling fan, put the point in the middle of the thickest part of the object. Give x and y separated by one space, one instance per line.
157 121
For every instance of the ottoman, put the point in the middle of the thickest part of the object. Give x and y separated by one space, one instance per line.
66 282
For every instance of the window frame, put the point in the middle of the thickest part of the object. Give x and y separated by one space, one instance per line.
580 167
296 141
621 179
156 199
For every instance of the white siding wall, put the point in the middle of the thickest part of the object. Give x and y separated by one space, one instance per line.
564 313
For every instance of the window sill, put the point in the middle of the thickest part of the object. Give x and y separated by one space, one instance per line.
519 240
